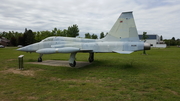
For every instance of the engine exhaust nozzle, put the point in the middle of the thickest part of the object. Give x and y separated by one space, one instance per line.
147 46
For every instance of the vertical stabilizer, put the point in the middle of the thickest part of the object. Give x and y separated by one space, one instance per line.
124 29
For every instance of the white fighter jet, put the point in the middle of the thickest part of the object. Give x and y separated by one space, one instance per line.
122 38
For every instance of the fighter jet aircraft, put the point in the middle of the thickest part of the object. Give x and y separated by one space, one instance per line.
122 38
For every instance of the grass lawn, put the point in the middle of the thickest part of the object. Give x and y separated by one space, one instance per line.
111 77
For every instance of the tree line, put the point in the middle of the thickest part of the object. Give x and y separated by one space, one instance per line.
168 42
94 36
172 41
29 37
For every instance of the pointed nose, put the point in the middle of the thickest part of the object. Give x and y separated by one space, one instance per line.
30 48
23 49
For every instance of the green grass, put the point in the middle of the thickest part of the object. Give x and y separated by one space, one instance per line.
111 77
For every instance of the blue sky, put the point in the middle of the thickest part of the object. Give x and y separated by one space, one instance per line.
160 17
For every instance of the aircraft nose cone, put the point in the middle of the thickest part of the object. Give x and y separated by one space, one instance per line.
29 48
19 49
22 49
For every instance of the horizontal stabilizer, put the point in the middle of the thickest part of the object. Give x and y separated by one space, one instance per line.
57 50
123 52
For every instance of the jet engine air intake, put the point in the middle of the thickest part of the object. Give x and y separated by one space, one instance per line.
147 46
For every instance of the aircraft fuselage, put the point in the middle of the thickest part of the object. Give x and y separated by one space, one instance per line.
122 38
84 45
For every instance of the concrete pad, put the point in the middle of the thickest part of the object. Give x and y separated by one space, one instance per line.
61 63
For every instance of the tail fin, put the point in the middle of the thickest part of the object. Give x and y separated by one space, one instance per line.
124 29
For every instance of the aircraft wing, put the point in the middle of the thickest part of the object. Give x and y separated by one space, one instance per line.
58 50
61 50
69 47
123 52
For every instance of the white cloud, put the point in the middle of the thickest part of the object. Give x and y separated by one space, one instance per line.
155 17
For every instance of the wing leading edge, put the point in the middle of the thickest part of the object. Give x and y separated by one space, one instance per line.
61 50
58 50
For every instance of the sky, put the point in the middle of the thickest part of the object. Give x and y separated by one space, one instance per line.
161 17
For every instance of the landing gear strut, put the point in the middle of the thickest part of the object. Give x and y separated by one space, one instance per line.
72 61
91 57
40 58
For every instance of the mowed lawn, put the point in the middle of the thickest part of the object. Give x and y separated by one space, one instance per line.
111 77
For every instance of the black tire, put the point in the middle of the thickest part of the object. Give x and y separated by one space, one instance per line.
39 59
73 64
91 60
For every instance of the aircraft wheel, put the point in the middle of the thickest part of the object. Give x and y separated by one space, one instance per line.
39 59
73 64
91 60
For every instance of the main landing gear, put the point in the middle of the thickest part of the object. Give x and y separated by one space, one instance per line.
40 58
72 58
73 64
72 61
91 57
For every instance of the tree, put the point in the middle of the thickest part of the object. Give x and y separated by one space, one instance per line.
28 37
173 41
173 38
94 36
167 42
178 41
37 36
161 38
64 33
54 31
26 30
13 41
87 35
102 35
45 34
144 37
73 31
20 40
58 32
